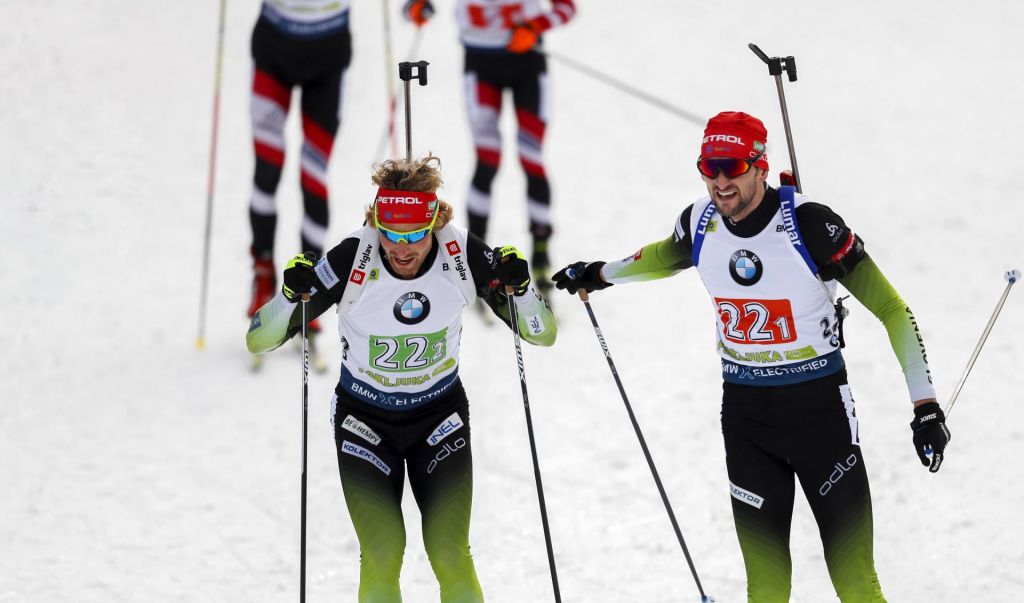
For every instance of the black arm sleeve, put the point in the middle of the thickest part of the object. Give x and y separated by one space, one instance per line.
482 265
683 239
833 246
334 269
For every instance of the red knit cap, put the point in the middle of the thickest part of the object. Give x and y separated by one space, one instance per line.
735 134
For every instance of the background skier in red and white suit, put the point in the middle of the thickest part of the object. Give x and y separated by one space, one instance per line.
500 39
302 44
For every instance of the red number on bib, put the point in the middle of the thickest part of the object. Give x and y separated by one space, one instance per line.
510 15
765 321
481 16
477 16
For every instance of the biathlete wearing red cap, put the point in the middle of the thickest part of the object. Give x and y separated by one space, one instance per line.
401 283
787 408
305 44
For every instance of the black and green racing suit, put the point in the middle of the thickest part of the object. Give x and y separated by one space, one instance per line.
775 432
377 447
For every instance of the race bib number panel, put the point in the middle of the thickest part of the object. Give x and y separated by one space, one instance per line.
504 16
760 321
408 352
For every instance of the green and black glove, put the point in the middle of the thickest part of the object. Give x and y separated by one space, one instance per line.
299 277
512 269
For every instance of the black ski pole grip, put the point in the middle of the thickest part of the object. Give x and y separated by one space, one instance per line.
405 70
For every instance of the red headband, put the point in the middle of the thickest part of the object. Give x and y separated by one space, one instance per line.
404 207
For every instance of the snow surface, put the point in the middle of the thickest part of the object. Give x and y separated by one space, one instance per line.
136 468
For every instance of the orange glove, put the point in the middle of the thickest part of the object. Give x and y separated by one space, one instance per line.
418 11
523 39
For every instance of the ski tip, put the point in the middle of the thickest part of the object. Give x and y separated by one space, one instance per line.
1012 275
201 343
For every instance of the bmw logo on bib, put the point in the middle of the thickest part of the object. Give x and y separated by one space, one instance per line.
412 308
745 267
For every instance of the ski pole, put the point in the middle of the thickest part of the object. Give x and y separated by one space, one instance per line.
210 179
624 87
405 73
390 83
776 65
514 319
388 133
1012 276
305 419
585 298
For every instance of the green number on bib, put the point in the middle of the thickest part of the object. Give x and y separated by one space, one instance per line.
406 353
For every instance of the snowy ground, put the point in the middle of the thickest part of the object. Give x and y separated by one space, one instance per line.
136 468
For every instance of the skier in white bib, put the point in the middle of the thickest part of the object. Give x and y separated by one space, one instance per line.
401 283
770 259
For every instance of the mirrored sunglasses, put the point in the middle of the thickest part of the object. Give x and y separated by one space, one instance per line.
710 167
413 236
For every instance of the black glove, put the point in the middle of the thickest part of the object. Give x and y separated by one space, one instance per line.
580 275
299 277
418 11
512 269
930 434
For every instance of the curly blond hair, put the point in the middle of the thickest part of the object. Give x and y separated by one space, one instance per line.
418 175
421 175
